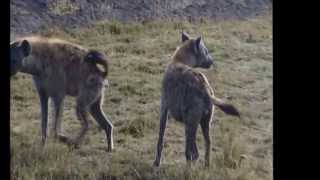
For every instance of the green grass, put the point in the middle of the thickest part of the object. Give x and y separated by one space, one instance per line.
138 53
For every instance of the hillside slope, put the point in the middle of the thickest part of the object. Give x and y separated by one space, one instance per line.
30 16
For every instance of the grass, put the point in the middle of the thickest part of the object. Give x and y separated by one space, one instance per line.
138 54
63 7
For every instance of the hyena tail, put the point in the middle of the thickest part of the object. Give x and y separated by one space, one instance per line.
225 107
97 58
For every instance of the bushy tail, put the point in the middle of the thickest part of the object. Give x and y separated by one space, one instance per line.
97 57
225 107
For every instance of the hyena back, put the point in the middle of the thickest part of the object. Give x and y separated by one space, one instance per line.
60 68
187 95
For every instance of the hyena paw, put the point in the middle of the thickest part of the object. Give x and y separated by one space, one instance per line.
43 141
156 163
73 143
192 155
110 149
207 164
62 138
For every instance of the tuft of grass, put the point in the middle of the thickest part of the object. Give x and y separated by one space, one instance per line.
137 127
63 7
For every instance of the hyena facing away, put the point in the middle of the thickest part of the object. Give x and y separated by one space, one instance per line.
188 97
60 68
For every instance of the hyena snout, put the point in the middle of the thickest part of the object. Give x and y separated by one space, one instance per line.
18 52
207 63
15 66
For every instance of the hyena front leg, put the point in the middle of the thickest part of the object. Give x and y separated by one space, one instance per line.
103 121
44 109
44 116
205 126
163 122
58 112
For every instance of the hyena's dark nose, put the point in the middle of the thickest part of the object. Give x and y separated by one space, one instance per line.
211 62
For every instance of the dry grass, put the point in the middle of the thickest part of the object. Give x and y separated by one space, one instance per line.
138 54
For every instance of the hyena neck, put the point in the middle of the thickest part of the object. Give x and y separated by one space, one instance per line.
183 60
178 67
30 66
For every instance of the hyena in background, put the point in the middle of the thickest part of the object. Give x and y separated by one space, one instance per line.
60 68
188 97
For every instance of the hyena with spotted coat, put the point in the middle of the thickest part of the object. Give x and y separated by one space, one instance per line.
60 68
188 97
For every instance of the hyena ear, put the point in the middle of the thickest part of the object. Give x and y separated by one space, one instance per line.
184 36
197 44
26 47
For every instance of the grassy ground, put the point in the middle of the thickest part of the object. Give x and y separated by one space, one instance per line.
138 54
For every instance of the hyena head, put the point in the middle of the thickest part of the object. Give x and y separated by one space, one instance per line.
198 52
19 50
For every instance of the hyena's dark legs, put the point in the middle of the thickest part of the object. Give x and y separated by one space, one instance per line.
58 111
44 109
205 126
103 121
163 122
85 99
191 152
82 116
192 118
44 115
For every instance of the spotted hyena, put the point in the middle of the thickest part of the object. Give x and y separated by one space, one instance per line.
59 69
188 97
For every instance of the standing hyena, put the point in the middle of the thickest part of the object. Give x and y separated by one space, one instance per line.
60 68
188 97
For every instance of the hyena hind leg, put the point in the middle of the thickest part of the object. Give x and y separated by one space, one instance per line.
84 100
191 150
90 92
82 116
103 121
